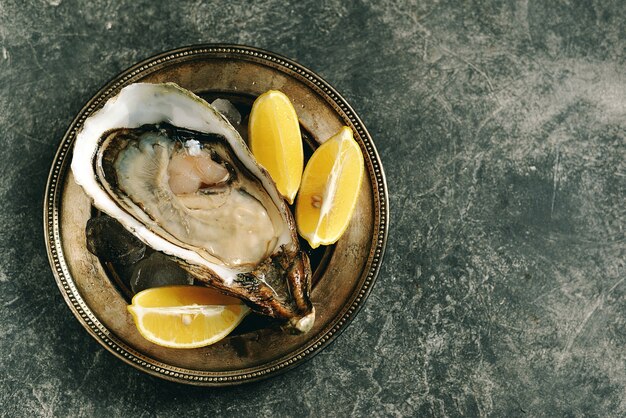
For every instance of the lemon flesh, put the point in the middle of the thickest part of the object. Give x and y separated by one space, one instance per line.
330 188
276 142
185 316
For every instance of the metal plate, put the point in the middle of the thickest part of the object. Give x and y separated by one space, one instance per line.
349 271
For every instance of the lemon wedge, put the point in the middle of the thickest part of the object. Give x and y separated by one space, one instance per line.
275 141
330 187
185 316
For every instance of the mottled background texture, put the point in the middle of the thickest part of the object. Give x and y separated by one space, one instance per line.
502 129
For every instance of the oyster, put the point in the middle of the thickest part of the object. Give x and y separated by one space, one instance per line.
176 174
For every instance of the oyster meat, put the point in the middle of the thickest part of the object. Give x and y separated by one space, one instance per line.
177 175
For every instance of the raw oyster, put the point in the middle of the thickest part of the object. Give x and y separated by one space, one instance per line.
175 173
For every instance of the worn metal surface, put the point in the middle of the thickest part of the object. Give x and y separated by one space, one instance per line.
501 126
344 281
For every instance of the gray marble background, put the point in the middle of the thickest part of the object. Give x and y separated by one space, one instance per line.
502 129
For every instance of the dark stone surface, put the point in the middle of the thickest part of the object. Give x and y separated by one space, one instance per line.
502 129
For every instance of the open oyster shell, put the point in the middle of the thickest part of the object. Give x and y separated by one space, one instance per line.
223 221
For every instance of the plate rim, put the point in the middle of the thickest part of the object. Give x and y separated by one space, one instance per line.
119 348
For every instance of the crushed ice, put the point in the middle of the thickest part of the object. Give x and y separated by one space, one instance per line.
230 112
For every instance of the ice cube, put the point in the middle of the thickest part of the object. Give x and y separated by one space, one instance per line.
226 108
109 240
156 271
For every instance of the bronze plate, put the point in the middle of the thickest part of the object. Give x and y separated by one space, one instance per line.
344 277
